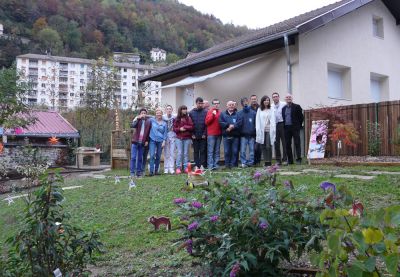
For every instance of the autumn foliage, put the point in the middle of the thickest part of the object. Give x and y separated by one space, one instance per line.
346 133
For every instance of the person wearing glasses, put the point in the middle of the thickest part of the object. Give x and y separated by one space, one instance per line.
213 135
183 128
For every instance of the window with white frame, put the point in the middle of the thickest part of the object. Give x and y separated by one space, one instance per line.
339 82
377 26
379 87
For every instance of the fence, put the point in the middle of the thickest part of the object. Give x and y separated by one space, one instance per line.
387 114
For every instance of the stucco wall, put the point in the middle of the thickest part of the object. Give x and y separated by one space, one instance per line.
349 41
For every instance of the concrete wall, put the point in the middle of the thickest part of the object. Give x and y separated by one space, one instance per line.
349 41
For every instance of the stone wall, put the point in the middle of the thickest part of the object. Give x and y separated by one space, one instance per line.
15 153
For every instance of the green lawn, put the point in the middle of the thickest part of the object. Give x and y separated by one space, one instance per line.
135 249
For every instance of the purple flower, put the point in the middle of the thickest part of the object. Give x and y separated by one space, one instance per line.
263 225
273 169
214 218
257 176
326 186
193 226
235 270
288 184
189 246
196 204
179 201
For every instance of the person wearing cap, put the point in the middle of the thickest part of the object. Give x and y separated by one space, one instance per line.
199 136
247 133
230 123
213 135
293 120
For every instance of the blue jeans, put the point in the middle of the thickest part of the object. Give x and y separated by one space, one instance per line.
182 149
136 159
244 142
155 155
231 150
213 148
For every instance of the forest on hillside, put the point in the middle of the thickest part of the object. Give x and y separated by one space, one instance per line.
93 28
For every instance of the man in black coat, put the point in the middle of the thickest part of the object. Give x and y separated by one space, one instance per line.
199 136
293 120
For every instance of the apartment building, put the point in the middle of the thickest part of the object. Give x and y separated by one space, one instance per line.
60 82
158 55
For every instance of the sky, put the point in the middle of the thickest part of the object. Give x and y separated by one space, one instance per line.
255 13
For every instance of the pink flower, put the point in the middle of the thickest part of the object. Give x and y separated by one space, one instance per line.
235 270
196 204
257 176
179 201
263 225
193 226
214 218
189 246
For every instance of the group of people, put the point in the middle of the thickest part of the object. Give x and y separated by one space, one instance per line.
246 135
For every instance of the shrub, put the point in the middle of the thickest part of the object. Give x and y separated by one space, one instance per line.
45 240
358 244
374 138
346 133
249 225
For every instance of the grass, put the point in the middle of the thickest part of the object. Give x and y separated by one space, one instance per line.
133 248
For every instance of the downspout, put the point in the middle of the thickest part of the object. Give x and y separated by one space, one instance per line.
288 64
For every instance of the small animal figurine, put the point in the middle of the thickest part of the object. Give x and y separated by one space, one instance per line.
117 179
157 221
132 184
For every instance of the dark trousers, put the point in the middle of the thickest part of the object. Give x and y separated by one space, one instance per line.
231 151
145 152
257 153
200 152
292 132
280 137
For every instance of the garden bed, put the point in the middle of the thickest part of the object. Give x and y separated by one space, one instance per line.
359 160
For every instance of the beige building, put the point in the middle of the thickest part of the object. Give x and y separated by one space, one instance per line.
60 82
341 54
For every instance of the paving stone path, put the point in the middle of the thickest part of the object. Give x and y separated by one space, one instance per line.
351 176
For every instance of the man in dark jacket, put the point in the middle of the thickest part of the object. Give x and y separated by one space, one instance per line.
199 137
293 120
230 123
247 133
140 140
257 149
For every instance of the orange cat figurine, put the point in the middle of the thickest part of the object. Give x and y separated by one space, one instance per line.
157 221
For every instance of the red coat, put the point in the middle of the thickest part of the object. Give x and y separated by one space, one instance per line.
212 122
185 122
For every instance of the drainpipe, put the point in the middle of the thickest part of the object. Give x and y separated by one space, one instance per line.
288 64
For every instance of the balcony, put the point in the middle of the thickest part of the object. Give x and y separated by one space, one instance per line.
63 73
62 96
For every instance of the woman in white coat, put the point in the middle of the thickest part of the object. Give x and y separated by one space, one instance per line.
265 129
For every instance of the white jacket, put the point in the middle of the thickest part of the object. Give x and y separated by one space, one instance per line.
261 118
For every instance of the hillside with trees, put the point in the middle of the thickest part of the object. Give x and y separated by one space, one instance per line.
93 28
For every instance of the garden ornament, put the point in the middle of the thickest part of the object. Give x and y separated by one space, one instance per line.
132 184
57 273
157 221
9 200
117 179
196 177
53 140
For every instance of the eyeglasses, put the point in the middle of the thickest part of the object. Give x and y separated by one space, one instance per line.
216 103
184 109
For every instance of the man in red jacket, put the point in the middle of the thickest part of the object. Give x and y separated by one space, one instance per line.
213 135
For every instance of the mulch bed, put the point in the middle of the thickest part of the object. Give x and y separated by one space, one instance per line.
359 160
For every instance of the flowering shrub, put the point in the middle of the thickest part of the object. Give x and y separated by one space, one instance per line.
358 243
346 133
249 225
